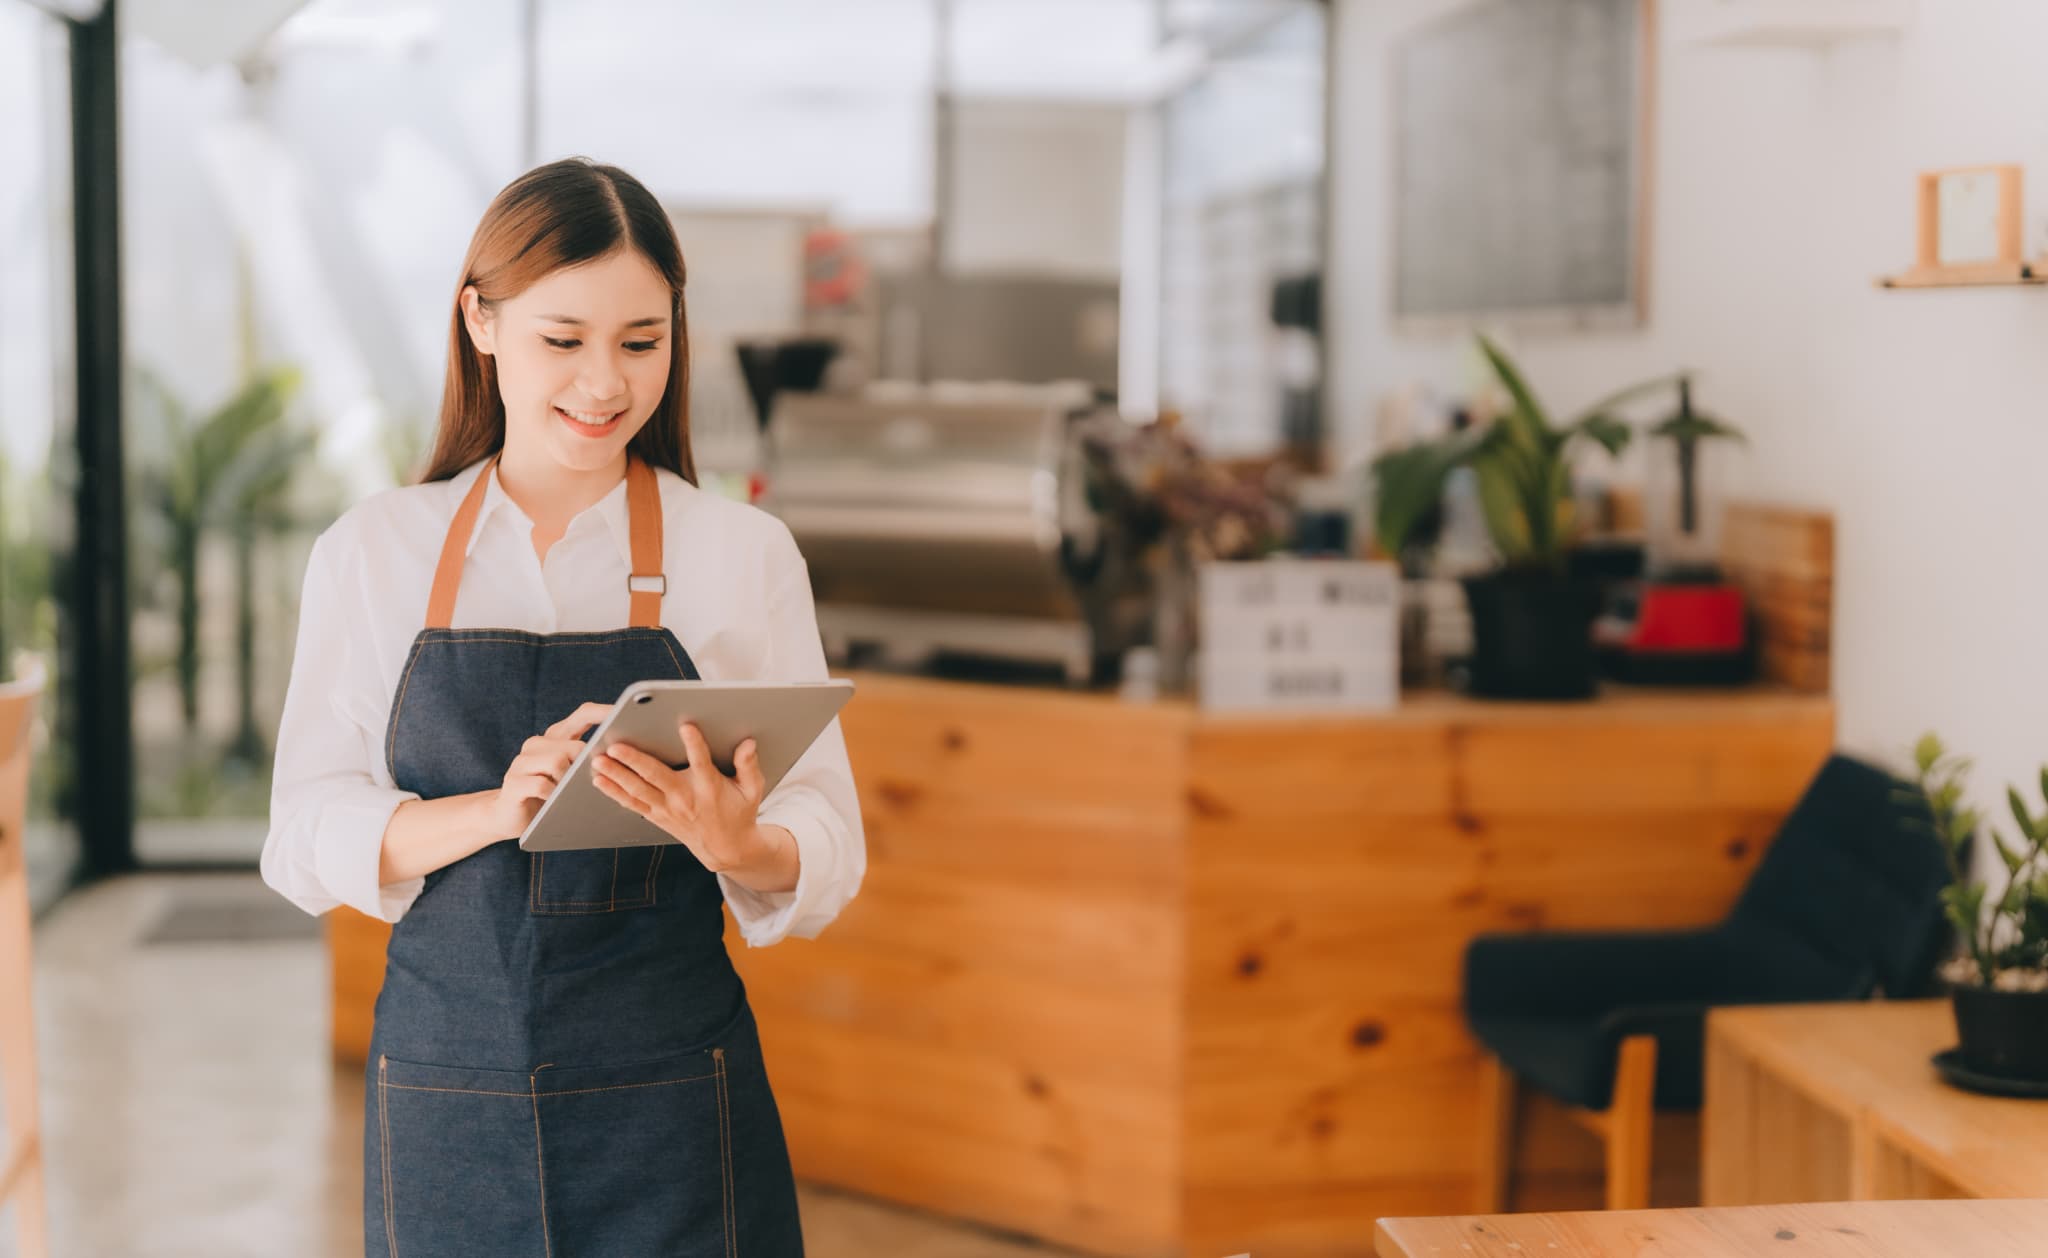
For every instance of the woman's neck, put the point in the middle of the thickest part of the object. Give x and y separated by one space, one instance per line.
552 495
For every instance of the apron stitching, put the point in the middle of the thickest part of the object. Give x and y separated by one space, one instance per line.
725 1147
540 1165
627 1087
384 1152
415 1087
612 901
648 894
577 637
671 650
582 908
533 1089
391 737
543 640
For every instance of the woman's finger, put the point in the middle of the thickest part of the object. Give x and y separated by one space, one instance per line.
611 790
746 764
639 764
529 786
581 720
703 771
552 765
629 781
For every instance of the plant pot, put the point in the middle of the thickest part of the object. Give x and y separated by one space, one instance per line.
2004 1034
1532 635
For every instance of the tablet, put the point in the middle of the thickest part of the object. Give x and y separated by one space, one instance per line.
784 719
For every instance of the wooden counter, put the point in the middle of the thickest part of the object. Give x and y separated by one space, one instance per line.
1146 981
1897 1229
1833 1102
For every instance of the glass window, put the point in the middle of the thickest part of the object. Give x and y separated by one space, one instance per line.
36 402
297 201
1243 236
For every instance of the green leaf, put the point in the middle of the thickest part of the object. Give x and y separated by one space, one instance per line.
1611 433
1408 483
1965 822
1526 419
1697 427
1502 502
2019 814
1623 396
1555 508
1965 905
1928 752
2014 902
2013 860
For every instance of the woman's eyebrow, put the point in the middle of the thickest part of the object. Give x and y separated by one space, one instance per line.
650 322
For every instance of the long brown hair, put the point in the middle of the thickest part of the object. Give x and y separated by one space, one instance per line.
563 214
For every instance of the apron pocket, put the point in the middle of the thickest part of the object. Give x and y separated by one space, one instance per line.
599 880
638 1158
457 1166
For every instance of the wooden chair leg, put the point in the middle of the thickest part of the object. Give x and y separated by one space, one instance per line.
1629 1121
1496 1134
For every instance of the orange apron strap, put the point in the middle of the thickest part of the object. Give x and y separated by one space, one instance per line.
643 509
448 573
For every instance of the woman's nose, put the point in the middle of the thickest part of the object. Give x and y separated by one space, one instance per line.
601 379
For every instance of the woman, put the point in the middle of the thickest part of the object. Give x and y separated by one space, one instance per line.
564 1061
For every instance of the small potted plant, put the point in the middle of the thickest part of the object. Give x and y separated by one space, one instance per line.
1999 978
1165 505
1531 618
1679 547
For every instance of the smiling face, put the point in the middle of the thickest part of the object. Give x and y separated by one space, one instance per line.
582 360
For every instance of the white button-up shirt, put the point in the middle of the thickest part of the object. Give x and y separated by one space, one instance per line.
739 599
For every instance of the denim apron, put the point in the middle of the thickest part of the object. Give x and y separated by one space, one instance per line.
564 1062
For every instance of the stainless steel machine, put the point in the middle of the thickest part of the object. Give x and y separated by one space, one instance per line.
950 518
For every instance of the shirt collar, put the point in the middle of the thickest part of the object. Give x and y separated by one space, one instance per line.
610 511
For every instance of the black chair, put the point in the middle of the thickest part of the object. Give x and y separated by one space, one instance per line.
1844 906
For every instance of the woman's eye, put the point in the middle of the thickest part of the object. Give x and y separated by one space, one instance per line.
560 344
641 347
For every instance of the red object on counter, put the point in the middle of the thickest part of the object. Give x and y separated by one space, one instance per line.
1689 618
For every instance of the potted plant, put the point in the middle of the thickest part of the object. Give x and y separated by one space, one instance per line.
1164 508
1998 980
1531 618
1684 537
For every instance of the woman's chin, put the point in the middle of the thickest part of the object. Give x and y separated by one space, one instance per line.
585 453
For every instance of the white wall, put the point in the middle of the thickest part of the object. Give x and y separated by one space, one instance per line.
1784 184
1037 189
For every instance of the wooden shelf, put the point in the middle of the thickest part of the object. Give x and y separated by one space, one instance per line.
1799 23
2032 276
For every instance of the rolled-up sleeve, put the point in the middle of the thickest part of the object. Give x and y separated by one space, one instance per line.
329 802
815 801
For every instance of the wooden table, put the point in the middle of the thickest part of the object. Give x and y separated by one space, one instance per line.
1870 1229
1831 1102
1144 980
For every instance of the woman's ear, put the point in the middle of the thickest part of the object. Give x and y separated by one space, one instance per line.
477 320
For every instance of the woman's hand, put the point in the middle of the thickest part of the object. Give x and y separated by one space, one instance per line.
711 814
535 770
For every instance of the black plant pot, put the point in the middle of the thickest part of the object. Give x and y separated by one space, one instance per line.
1532 635
2003 1034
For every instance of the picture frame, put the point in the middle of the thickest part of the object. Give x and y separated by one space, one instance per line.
1970 229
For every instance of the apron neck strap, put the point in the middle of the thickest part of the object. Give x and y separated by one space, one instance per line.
643 508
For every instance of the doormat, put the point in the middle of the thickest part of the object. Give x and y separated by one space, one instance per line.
213 918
